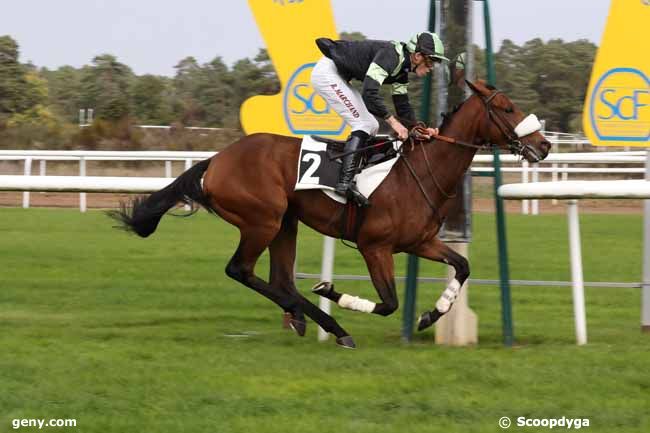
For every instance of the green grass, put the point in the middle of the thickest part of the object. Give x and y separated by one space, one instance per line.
131 335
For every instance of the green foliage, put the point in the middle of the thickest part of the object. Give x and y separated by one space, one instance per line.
105 87
65 91
151 100
21 89
547 78
550 78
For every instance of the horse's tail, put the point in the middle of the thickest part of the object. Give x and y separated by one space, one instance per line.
142 214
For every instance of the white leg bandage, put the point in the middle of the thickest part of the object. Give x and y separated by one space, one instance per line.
448 296
356 303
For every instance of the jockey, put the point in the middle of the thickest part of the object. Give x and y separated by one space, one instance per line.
374 63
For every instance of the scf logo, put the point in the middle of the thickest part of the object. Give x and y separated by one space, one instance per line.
305 111
620 106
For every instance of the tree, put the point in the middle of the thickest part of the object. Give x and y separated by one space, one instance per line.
106 88
65 91
12 79
150 100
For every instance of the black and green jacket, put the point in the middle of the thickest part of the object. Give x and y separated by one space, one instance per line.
374 63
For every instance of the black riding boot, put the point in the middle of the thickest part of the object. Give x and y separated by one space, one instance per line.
345 186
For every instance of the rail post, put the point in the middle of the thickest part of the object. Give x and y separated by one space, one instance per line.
410 295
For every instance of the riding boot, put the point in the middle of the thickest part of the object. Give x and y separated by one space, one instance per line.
345 186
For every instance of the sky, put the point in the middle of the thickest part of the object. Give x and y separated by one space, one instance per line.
151 36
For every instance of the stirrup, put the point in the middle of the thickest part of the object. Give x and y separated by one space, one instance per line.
355 195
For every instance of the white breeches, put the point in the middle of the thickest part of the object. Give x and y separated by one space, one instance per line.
341 97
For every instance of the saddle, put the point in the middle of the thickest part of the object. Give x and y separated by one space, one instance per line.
378 149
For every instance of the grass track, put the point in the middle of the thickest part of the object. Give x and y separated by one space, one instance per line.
132 335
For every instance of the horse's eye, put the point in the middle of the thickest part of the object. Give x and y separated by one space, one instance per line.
509 110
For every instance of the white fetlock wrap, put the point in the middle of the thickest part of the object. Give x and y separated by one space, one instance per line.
444 303
356 303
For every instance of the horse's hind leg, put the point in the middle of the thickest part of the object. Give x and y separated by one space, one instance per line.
440 252
242 265
283 254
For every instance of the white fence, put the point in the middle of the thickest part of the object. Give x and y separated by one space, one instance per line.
630 189
558 165
28 156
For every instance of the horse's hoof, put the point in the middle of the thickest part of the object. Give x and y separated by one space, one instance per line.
346 342
299 326
286 320
429 318
324 288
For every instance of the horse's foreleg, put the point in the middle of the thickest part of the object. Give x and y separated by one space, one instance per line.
283 255
381 268
440 252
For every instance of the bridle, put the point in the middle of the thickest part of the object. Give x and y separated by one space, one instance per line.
509 132
514 141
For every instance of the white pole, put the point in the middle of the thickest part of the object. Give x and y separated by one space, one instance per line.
43 167
82 173
645 285
576 273
535 202
554 179
168 169
524 179
565 174
326 274
27 172
188 165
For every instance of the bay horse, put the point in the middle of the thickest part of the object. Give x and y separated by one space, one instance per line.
251 183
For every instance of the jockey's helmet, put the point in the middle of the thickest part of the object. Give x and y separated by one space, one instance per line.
428 44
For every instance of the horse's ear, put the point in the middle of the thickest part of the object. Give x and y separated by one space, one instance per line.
473 87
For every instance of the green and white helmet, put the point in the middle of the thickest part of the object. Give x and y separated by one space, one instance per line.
429 44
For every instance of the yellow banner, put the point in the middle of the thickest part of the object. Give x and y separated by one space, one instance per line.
289 29
617 106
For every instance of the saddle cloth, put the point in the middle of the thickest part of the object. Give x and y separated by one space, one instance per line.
317 171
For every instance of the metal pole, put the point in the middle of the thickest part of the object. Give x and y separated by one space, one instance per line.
645 285
489 60
504 272
412 266
576 273
326 274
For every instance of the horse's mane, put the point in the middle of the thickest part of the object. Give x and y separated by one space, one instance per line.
446 117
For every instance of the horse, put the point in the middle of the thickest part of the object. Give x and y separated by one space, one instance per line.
250 184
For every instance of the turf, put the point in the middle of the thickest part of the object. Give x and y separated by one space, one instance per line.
131 335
